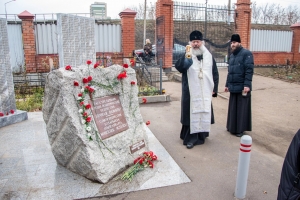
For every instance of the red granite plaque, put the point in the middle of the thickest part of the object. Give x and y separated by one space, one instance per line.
108 115
137 146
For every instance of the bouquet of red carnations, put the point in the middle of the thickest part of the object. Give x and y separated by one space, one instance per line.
142 162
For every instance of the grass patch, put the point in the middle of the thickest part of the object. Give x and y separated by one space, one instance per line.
30 102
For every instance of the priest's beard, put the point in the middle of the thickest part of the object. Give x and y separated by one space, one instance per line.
197 52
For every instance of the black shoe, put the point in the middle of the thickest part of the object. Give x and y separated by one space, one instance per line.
190 145
239 134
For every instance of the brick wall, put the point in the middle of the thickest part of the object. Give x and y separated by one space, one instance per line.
128 31
243 21
272 58
296 42
28 41
117 58
43 62
165 8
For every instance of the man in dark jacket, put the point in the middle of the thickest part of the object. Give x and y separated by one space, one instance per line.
200 80
239 84
289 187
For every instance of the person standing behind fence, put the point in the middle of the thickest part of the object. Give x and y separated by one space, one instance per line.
148 47
200 79
239 84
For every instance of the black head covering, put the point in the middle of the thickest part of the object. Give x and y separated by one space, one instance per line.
235 38
196 35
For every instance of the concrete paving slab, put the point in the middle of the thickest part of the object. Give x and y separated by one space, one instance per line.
32 172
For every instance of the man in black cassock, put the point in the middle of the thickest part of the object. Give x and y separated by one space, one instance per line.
200 79
239 84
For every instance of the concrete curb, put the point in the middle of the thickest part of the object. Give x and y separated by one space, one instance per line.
155 99
18 116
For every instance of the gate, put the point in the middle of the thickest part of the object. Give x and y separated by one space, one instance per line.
160 40
215 22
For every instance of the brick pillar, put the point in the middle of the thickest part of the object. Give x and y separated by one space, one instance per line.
28 40
128 31
243 21
296 42
165 8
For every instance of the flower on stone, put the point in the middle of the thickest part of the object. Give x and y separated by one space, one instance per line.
80 111
89 89
88 62
79 99
81 103
144 161
87 106
132 62
122 75
68 67
90 78
80 94
144 100
85 80
76 83
96 65
147 123
12 111
132 83
1 114
83 121
88 128
125 65
88 119
84 114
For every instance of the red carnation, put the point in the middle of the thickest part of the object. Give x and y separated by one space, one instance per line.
122 75
89 119
12 111
76 83
154 157
88 62
147 123
85 80
132 62
136 160
87 106
151 165
141 160
91 90
96 65
144 100
1 114
68 67
80 94
125 65
81 103
89 78
132 83
84 114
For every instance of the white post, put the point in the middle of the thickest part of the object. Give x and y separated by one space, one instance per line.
243 167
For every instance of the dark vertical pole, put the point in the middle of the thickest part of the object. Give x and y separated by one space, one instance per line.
160 75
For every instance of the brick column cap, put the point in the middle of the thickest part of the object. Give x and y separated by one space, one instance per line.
127 12
25 15
295 25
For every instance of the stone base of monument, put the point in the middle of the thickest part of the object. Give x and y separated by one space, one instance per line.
18 116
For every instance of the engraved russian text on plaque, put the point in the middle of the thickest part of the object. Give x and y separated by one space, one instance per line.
108 115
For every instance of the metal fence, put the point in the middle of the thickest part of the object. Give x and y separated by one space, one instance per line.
274 41
215 22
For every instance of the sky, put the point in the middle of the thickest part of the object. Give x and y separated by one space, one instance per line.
114 7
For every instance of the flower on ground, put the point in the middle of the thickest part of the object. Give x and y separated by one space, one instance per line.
1 114
144 161
132 83
12 111
147 123
125 65
68 67
122 75
144 100
76 83
88 62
